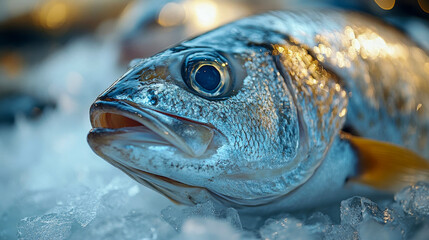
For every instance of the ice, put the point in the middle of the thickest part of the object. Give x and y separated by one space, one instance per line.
318 223
210 229
344 231
48 226
415 199
176 216
133 225
373 230
361 213
297 226
358 209
283 229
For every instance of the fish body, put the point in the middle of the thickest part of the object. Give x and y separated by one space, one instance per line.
252 114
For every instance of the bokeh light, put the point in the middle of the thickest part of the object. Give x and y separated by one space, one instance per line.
203 12
53 14
385 4
424 5
172 14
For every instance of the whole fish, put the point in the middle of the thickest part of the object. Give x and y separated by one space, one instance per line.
285 110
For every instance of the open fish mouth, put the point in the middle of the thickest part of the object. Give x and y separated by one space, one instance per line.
122 120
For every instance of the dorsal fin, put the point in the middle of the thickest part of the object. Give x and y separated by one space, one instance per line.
386 166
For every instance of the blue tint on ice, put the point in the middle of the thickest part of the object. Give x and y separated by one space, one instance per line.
54 187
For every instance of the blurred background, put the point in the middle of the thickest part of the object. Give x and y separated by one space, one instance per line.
33 30
56 56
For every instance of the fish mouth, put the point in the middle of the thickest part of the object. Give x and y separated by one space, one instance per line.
141 125
122 121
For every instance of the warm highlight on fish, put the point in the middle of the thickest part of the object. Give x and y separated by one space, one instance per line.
281 111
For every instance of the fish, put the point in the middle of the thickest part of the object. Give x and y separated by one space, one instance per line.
274 112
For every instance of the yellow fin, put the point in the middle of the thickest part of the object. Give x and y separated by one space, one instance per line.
386 166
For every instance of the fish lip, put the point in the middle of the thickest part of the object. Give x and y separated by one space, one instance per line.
151 119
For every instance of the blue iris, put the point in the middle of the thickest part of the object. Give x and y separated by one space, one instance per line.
208 77
207 74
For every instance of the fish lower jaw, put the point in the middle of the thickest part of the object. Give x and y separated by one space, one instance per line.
176 191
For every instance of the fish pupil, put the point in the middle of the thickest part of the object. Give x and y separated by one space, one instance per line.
208 77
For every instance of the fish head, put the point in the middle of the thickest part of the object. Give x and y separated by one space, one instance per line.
209 119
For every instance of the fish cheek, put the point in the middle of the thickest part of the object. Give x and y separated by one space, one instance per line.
288 130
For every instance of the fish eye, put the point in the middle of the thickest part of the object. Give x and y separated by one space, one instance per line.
207 73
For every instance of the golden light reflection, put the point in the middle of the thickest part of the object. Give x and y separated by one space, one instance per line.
53 14
277 49
356 44
337 87
427 67
349 32
419 106
424 5
385 4
172 14
343 112
371 45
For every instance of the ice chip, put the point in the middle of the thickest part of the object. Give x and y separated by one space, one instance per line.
176 216
415 199
318 223
358 209
206 209
139 225
173 216
48 226
209 229
285 228
232 217
131 225
85 207
344 231
372 230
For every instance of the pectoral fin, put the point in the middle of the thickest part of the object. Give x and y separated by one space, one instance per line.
386 166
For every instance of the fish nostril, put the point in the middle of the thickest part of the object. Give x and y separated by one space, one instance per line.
153 98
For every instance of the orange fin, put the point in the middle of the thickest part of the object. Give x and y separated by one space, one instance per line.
386 166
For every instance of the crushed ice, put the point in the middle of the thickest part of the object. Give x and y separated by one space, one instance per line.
54 187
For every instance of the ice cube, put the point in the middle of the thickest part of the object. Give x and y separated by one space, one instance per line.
358 209
231 216
415 199
176 216
210 229
132 225
343 232
48 226
372 230
139 225
285 228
